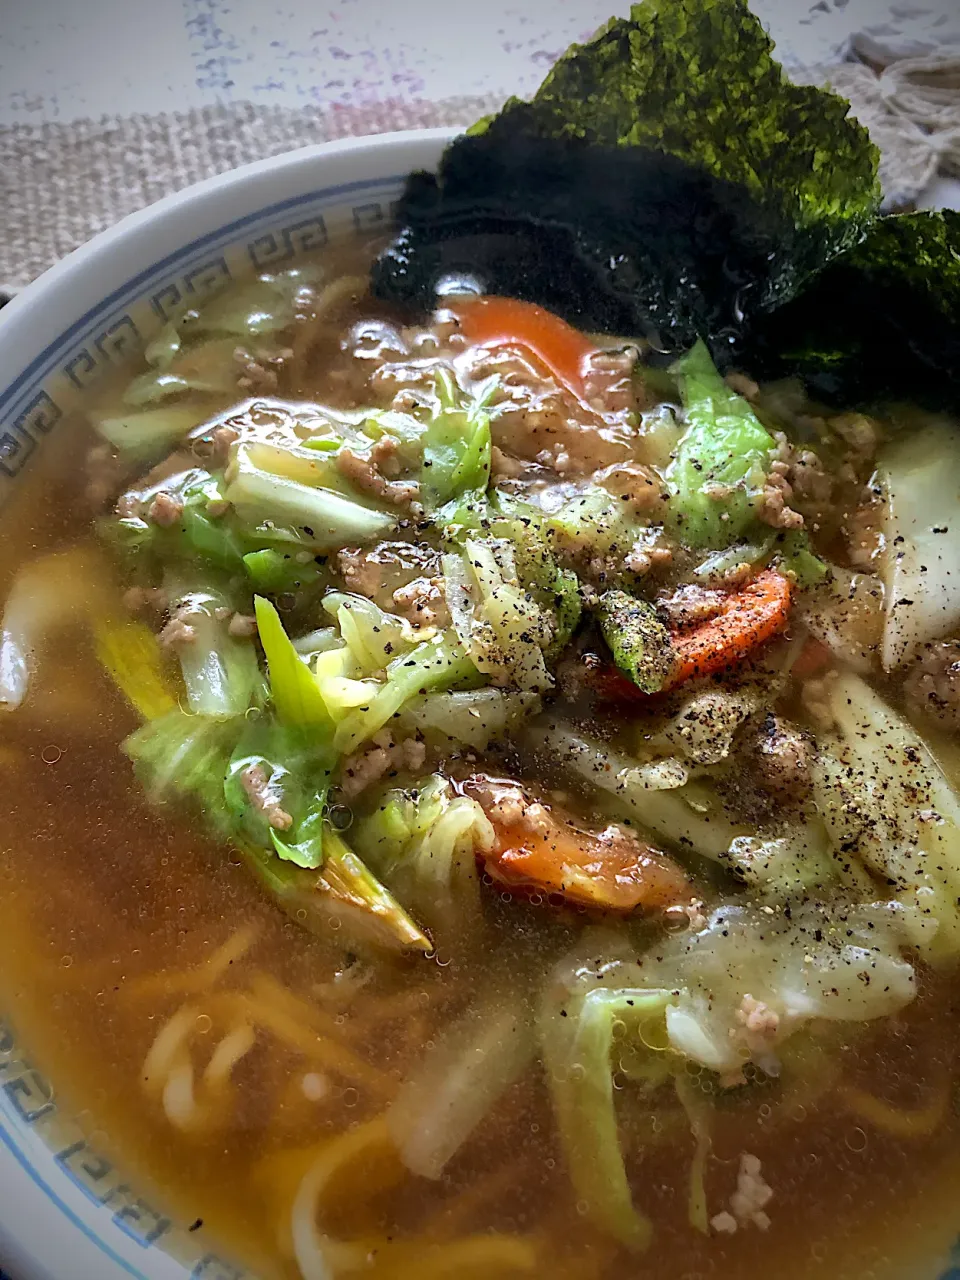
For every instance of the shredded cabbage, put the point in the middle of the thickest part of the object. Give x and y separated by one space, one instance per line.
729 994
424 843
221 672
459 1081
921 540
472 718
332 519
499 624
294 690
439 663
456 444
691 816
149 433
373 636
724 446
886 800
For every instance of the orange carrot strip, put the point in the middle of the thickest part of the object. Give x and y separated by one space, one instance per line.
749 617
508 322
610 871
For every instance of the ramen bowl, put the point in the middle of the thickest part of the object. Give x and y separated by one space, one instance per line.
71 1207
66 1209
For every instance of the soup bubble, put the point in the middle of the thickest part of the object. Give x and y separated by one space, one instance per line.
856 1140
340 817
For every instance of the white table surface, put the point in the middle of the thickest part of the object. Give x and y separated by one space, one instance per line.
68 59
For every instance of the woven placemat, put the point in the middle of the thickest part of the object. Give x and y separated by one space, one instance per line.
62 183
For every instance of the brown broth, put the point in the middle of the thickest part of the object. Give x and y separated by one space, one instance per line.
105 905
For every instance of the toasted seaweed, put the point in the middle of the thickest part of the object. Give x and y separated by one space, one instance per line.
881 323
665 180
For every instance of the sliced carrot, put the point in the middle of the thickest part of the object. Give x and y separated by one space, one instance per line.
748 618
507 322
610 871
813 658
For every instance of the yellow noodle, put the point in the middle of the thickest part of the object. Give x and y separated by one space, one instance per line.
268 989
402 1004
318 1255
899 1122
328 1052
236 1044
203 976
234 949
479 1255
179 1099
168 1045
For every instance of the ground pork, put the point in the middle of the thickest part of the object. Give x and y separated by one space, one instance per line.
638 486
506 804
370 471
137 599
178 632
382 570
690 604
858 432
360 571
608 380
556 458
643 558
777 489
256 783
214 447
808 479
260 373
538 420
759 1022
781 755
505 466
796 488
688 915
242 625
932 685
369 764
422 602
165 509
815 696
748 1202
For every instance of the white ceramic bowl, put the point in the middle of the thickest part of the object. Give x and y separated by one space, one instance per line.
66 1213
